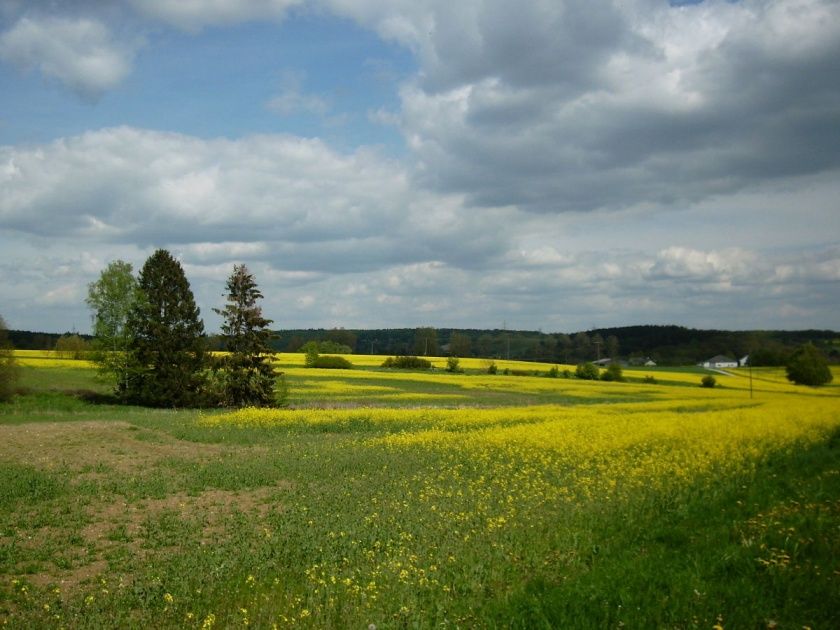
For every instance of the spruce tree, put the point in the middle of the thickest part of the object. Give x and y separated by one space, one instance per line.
249 377
166 351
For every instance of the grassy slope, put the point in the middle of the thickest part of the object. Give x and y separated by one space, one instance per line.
125 516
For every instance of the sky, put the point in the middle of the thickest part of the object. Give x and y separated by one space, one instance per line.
557 165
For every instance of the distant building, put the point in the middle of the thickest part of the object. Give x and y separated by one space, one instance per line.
719 361
744 360
650 363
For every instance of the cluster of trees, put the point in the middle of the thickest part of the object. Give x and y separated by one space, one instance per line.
149 339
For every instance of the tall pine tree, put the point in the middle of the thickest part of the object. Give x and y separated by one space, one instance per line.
249 376
166 352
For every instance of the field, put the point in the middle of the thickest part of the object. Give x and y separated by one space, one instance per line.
424 499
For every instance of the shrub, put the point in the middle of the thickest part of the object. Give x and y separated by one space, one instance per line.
407 363
330 362
808 366
452 364
708 381
567 373
554 372
587 371
311 350
521 372
613 373
492 369
9 372
71 347
650 380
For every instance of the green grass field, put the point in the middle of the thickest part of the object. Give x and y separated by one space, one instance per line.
424 499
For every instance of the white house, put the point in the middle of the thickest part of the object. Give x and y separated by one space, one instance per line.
719 361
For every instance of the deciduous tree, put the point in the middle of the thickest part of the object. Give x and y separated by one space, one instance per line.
111 298
808 366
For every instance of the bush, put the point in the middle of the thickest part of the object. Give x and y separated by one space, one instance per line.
567 374
71 347
587 371
808 366
554 372
452 365
650 380
492 369
330 362
9 372
708 381
613 373
407 363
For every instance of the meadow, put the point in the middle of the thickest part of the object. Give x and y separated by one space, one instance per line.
406 499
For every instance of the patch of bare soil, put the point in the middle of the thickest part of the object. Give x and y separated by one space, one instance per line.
115 523
81 446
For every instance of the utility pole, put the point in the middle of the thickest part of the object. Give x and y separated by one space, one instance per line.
598 349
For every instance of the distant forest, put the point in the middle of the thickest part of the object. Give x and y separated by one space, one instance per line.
666 345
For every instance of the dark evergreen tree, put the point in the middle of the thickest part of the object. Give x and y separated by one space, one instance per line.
249 376
808 366
166 351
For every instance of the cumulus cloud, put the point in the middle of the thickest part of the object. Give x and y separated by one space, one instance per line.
316 208
80 53
558 106
192 15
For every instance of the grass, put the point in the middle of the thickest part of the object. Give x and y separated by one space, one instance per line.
406 499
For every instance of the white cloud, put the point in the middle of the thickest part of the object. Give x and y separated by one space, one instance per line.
80 53
192 15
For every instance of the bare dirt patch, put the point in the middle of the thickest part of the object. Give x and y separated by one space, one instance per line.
82 446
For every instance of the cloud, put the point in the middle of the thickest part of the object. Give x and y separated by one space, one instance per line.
565 106
193 15
294 200
80 53
292 100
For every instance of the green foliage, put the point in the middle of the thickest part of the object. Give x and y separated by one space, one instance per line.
9 371
331 362
587 371
249 377
407 363
341 338
111 299
311 350
492 368
328 346
72 347
425 341
613 373
166 353
553 372
460 345
708 381
808 366
453 364
649 380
